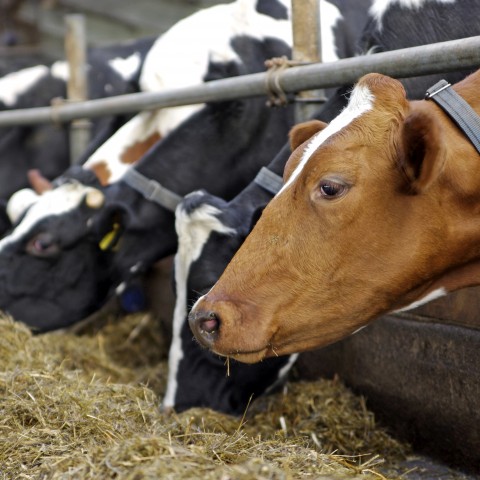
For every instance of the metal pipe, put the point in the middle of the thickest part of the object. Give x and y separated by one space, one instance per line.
422 60
77 84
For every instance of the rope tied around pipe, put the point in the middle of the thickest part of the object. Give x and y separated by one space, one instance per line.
276 95
275 67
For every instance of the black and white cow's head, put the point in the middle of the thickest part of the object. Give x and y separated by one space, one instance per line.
200 145
210 230
38 282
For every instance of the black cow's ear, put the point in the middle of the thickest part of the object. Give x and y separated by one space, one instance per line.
107 225
422 150
303 131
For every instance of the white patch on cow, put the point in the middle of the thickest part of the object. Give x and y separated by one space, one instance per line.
380 7
15 84
60 70
19 202
361 101
180 57
329 17
58 201
126 67
193 230
433 295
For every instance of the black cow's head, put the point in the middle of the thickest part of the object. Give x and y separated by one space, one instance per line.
210 230
53 271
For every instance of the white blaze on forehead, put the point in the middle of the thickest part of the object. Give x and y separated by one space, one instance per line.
379 7
193 230
58 201
15 84
361 101
126 67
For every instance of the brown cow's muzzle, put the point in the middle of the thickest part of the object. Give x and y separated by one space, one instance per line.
219 326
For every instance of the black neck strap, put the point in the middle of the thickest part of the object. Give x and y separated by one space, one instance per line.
457 109
268 180
152 190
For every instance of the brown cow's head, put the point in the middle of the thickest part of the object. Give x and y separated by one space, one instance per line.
379 210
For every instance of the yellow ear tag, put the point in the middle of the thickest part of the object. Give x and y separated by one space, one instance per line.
109 240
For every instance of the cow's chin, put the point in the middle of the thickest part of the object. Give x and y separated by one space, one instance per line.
250 357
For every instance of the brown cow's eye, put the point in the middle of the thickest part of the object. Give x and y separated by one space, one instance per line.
330 189
43 245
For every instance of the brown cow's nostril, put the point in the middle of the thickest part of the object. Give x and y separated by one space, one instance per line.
209 324
205 327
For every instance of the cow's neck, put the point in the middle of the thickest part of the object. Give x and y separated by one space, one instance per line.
461 187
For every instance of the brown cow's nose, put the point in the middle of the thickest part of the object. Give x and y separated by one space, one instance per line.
205 327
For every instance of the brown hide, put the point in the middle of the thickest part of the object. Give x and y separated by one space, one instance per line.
383 212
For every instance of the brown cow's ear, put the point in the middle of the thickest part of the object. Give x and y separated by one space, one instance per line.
303 131
423 150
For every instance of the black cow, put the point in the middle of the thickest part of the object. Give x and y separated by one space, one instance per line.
112 70
217 228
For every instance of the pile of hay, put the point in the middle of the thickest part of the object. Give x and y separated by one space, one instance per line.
87 406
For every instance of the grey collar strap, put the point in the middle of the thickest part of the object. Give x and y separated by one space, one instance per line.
458 109
152 190
268 180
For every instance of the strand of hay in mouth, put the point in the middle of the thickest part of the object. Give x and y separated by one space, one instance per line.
87 407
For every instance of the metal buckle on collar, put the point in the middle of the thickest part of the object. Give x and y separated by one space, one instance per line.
437 88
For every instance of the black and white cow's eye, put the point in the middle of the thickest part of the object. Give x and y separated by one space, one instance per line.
330 189
43 245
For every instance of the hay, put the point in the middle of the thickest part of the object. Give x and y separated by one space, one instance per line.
87 407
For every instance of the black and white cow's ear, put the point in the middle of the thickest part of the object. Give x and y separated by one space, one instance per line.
303 131
422 150
19 202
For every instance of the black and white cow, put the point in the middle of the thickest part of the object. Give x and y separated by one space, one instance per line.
112 70
60 239
211 230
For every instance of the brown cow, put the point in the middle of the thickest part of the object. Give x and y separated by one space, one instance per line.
380 211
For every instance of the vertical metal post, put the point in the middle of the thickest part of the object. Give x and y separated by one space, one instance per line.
77 85
307 47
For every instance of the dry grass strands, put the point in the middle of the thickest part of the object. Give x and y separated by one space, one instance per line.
87 407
